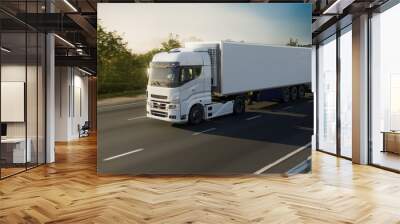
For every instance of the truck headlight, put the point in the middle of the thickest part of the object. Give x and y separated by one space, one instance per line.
175 99
172 106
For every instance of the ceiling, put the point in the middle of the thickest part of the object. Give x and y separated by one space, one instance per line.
73 21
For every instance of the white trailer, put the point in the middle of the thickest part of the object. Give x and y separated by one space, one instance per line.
210 79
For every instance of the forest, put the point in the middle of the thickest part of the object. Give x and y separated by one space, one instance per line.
120 71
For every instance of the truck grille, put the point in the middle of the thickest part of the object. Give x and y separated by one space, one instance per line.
159 105
158 113
158 97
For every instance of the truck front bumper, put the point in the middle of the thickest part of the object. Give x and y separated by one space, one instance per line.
167 114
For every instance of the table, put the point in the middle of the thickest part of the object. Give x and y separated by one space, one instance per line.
391 141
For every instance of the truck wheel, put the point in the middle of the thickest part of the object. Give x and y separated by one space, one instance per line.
293 93
239 105
301 92
196 114
285 94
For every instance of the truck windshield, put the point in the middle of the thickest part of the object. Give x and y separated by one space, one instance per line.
164 75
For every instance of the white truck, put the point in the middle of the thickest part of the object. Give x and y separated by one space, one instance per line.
204 80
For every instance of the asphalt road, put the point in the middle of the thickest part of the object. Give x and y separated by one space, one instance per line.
268 138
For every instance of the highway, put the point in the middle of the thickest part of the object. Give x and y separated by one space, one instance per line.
268 138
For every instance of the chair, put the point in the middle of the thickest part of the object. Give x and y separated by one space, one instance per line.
84 130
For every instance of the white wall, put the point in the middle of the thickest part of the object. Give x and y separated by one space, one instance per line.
33 125
62 83
80 109
13 101
12 73
71 87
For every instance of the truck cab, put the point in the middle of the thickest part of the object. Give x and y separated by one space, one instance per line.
177 81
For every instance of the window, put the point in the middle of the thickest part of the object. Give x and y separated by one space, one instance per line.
335 94
346 92
189 73
385 89
327 95
22 74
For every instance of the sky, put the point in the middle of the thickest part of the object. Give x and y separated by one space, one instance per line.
145 25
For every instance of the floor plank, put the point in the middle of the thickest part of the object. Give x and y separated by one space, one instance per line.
69 191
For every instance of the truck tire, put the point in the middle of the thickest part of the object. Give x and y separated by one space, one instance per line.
239 105
196 114
285 94
301 92
293 93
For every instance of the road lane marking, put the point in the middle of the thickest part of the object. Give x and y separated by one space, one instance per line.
267 167
123 154
285 113
305 128
134 118
254 117
200 132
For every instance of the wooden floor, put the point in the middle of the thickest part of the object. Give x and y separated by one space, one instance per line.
69 191
5 172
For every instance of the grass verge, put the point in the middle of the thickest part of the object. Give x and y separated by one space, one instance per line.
130 93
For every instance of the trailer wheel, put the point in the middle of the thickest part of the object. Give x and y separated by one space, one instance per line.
301 92
293 93
285 94
196 114
239 105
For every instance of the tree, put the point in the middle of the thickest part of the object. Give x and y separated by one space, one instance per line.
120 71
171 43
293 42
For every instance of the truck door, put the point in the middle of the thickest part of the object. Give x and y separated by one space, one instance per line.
191 87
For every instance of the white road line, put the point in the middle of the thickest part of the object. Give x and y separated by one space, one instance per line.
134 118
285 113
200 132
254 117
267 167
123 154
304 128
